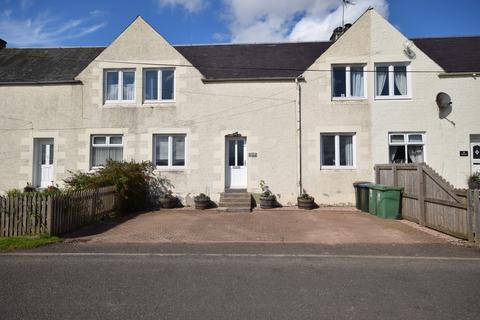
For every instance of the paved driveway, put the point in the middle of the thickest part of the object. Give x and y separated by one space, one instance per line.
325 226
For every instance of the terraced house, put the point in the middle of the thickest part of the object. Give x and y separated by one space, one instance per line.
316 115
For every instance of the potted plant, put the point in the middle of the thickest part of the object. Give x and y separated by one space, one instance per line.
202 201
474 181
305 201
267 198
168 200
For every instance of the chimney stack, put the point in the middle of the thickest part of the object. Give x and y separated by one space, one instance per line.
3 43
338 32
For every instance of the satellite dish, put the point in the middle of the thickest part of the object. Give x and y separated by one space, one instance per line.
407 48
444 101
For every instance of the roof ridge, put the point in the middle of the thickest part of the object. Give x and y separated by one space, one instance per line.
247 43
48 48
446 37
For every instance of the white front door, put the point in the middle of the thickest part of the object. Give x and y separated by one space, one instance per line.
236 163
44 162
475 156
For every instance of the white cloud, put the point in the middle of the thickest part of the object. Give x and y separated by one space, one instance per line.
285 20
44 29
189 5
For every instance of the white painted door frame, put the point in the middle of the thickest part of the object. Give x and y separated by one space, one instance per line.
475 155
43 162
235 162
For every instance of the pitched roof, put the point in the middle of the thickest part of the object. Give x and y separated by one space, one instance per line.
247 61
226 62
44 64
454 54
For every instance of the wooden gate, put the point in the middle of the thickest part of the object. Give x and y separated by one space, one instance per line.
428 199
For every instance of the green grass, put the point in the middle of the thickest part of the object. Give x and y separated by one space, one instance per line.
13 243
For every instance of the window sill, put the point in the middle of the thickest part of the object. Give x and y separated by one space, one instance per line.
332 168
349 99
402 98
117 104
171 169
160 104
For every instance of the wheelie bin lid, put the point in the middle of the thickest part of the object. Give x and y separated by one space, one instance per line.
382 187
362 184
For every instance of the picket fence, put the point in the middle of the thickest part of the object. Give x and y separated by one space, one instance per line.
34 213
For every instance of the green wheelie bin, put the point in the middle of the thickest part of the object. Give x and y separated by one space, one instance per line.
372 200
361 195
388 201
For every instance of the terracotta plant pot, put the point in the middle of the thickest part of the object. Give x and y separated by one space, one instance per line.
267 202
306 204
202 204
168 203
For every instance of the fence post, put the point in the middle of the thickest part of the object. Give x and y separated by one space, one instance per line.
421 194
473 215
49 215
377 174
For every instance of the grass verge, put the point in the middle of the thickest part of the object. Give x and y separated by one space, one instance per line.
13 243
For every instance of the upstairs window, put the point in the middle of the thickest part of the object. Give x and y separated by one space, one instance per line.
106 147
348 82
159 85
392 81
407 147
119 85
337 150
169 150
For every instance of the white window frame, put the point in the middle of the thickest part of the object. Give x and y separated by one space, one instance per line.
170 165
120 85
337 151
107 144
348 80
391 81
406 143
159 85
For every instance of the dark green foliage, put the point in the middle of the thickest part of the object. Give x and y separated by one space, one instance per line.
474 181
306 196
135 182
202 197
29 188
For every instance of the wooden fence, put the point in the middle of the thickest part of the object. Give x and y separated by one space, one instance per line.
34 213
429 200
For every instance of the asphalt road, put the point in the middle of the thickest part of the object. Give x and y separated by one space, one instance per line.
151 284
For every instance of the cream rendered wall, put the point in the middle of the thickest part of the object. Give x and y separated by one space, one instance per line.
263 112
321 114
443 139
369 41
30 112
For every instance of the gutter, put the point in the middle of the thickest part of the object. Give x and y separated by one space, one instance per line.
30 83
271 79
459 74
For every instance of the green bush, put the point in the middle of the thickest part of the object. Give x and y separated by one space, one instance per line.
474 181
135 182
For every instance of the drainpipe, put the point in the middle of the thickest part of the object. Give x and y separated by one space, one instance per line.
299 134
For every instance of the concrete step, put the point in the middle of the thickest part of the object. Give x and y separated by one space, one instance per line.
235 204
243 195
238 201
234 209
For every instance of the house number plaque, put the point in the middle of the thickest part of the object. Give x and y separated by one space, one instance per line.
252 154
463 153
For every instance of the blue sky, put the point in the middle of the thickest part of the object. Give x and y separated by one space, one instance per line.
37 23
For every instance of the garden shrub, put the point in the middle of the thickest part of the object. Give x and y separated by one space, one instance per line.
474 181
135 182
